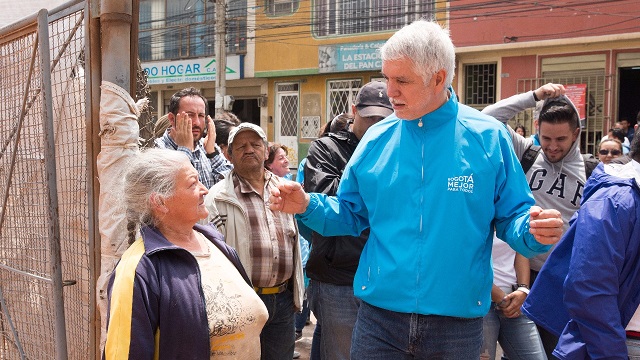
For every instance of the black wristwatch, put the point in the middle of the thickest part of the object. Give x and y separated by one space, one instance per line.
213 154
535 97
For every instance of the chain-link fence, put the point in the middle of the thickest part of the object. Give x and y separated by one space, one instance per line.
44 189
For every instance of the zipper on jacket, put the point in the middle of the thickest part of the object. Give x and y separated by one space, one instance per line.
422 184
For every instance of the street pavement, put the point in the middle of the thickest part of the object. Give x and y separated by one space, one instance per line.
303 346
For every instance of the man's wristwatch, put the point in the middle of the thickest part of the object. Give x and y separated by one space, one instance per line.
522 287
213 154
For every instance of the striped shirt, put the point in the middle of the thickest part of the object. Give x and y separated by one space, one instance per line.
210 171
273 233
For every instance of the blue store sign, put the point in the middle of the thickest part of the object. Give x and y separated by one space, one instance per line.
350 57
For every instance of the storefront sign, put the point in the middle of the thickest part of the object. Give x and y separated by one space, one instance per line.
577 93
192 70
350 57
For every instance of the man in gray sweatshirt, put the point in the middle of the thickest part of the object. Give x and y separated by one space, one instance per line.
556 172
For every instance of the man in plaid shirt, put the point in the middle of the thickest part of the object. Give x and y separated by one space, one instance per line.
188 133
266 241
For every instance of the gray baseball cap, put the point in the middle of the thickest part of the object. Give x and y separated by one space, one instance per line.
246 126
372 100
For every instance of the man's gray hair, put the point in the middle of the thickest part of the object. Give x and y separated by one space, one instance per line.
425 43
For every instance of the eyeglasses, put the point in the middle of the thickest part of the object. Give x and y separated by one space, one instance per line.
613 152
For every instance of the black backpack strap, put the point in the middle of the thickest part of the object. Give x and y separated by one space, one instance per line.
529 157
590 163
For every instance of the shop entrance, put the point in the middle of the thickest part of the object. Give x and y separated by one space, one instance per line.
629 93
246 110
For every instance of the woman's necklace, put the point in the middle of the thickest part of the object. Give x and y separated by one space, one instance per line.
202 244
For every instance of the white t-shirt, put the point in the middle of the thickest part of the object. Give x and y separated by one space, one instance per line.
235 312
504 273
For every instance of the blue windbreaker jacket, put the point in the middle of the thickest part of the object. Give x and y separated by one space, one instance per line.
431 196
589 287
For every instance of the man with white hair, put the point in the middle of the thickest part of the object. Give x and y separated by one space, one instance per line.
333 261
431 182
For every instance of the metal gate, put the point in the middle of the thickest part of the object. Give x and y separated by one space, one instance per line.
46 286
287 109
599 87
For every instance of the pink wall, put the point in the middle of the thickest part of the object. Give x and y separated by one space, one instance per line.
479 22
521 67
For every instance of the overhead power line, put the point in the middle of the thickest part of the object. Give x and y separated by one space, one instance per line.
457 11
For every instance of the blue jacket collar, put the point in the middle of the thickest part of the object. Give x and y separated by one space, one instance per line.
442 115
608 175
154 241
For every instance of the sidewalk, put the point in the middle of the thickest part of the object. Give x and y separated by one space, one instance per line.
303 346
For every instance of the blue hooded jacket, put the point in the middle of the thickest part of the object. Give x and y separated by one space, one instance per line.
589 287
431 193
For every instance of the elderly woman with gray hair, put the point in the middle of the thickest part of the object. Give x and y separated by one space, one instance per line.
179 291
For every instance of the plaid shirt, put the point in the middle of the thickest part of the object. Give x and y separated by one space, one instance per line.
210 171
272 234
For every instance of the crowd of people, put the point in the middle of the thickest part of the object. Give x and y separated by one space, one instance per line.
418 228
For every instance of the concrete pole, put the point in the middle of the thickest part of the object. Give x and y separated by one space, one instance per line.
111 50
221 55
115 25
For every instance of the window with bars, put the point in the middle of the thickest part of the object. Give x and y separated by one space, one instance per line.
341 94
309 127
281 7
176 29
339 17
480 85
598 85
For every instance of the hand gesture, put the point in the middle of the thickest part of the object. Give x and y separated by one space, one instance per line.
289 198
549 90
181 131
545 225
514 302
210 139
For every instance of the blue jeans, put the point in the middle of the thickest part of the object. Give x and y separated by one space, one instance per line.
277 339
518 337
336 309
302 316
383 334
315 343
633 347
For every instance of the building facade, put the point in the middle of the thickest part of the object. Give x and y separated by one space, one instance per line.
317 54
177 50
295 64
593 48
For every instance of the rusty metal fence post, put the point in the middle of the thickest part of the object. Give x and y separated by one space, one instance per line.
60 330
46 214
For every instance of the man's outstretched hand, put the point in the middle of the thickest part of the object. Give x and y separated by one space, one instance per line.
289 197
545 225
